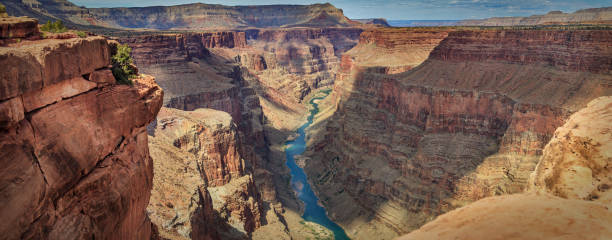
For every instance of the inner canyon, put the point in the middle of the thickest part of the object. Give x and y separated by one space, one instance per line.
297 122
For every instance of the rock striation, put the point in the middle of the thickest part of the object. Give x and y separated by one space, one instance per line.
74 146
470 122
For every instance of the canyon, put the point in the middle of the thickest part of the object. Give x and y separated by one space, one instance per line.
424 129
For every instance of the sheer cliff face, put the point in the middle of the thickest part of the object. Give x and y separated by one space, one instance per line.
468 123
570 185
74 144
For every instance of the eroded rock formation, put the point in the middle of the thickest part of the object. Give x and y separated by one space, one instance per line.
73 143
203 152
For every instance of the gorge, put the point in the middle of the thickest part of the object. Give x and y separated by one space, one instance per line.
296 122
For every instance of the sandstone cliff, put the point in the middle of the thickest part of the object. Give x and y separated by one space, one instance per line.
469 122
573 166
203 153
73 143
584 16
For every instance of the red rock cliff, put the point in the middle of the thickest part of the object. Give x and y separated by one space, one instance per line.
73 143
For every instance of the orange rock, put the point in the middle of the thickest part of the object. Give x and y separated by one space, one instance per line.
56 92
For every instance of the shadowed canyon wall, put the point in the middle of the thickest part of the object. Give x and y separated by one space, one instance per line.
74 143
469 122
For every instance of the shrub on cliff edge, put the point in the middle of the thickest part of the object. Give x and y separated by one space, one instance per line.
123 70
54 27
3 11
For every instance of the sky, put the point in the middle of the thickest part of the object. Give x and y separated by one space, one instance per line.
397 9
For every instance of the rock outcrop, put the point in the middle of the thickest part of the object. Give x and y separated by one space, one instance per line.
470 122
576 162
583 16
574 167
74 146
203 152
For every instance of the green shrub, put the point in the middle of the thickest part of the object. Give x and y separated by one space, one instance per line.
123 70
2 9
54 27
81 34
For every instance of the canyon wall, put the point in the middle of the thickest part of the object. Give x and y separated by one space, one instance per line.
469 122
569 188
74 143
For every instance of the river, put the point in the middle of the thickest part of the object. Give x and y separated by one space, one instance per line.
313 211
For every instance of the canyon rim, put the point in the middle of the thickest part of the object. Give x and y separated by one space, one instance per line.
209 121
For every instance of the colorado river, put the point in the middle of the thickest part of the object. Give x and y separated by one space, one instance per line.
313 211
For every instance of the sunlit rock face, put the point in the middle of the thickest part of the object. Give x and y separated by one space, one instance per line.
471 121
568 188
203 185
73 143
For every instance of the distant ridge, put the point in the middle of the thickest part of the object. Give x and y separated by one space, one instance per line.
422 23
196 16
587 16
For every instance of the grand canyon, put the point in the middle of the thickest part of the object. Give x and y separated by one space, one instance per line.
298 122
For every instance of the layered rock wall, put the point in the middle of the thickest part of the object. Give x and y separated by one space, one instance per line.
74 143
469 122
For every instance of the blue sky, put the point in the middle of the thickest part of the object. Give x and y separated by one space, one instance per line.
398 9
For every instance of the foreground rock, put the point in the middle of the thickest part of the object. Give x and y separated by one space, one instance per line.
75 152
576 162
521 216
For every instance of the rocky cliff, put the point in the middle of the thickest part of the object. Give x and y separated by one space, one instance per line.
203 152
469 122
584 16
573 167
74 143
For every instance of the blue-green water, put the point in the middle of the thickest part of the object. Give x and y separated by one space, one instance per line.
313 211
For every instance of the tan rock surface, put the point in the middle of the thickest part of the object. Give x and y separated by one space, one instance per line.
521 216
576 162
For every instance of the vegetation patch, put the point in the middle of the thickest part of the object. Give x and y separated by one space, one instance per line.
123 68
54 27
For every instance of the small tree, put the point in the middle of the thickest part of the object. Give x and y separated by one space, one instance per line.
54 27
3 11
123 70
